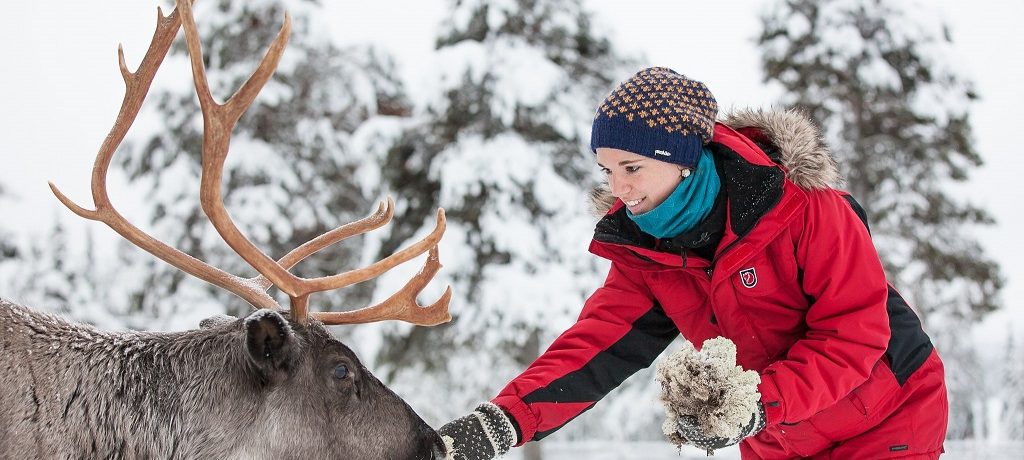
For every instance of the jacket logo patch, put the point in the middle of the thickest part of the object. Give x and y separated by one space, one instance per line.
748 277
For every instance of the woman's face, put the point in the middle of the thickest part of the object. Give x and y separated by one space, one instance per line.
640 182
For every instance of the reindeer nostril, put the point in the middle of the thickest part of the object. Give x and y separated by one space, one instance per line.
430 445
439 452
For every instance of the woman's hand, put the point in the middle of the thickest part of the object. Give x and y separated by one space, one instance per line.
485 433
690 429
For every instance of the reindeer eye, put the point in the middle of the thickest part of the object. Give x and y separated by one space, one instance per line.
341 371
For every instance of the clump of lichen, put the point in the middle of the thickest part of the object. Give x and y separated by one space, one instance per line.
709 386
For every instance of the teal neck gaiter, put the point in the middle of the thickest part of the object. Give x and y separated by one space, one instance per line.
688 204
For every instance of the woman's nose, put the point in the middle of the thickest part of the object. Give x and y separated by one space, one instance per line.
619 187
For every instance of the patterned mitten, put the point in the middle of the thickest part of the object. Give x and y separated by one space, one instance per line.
485 433
691 430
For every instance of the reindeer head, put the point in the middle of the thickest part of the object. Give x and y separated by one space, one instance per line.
307 395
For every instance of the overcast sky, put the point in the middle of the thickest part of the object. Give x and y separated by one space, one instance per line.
61 88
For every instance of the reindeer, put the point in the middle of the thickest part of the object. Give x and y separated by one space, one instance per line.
274 384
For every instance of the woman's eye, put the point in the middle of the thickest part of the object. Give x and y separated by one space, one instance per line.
341 371
632 169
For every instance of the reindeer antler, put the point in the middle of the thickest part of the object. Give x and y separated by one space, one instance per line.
218 122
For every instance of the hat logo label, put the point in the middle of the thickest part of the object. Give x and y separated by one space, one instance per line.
748 277
662 152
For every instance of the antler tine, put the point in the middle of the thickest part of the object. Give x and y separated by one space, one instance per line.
402 305
375 269
327 283
385 211
137 86
218 122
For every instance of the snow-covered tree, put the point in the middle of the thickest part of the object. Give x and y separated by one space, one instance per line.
882 83
969 382
8 248
503 146
44 280
60 273
293 172
10 255
1012 389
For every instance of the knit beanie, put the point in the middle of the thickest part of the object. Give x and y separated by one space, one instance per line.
657 113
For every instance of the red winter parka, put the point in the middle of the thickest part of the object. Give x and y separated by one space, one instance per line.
796 283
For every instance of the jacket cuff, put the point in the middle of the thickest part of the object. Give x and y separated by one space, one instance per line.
771 399
525 421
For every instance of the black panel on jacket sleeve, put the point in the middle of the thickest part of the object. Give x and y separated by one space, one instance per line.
909 346
648 336
859 210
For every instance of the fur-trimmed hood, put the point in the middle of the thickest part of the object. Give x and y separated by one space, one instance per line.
800 146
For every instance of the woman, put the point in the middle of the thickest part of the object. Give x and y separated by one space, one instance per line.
732 229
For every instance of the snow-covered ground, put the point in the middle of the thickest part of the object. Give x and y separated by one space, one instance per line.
595 450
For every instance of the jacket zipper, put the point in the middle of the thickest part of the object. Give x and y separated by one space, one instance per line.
686 252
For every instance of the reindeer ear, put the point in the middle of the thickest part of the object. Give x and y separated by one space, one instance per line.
269 339
216 321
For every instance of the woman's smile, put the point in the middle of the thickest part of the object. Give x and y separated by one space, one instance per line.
633 204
